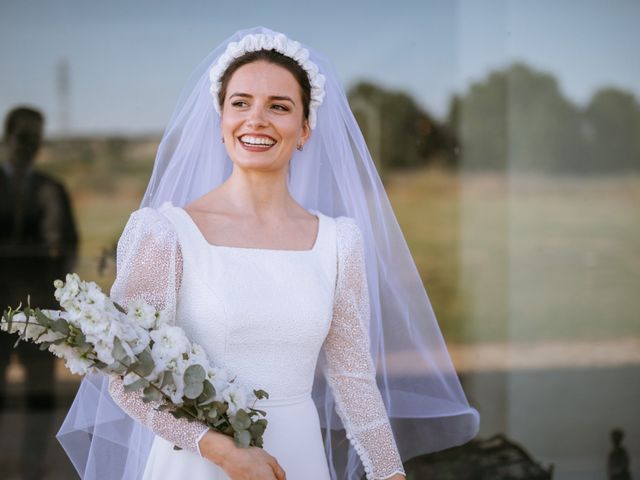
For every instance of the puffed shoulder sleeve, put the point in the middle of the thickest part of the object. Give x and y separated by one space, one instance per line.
149 268
349 368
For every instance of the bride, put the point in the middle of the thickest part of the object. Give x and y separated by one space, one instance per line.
267 235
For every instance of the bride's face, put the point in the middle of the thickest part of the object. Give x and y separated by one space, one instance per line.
263 116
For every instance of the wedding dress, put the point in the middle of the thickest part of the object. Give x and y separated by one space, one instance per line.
265 316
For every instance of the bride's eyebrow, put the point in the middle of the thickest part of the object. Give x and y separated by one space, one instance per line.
282 97
272 97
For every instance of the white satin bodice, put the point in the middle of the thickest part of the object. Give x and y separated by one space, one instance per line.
261 314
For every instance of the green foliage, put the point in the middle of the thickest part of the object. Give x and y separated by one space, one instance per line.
144 366
208 394
518 118
399 133
119 352
137 385
151 394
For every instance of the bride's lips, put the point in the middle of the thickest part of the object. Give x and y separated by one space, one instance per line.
253 142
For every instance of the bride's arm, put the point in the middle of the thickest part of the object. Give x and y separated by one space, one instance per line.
149 268
350 371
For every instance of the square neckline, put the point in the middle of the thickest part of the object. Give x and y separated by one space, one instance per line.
199 233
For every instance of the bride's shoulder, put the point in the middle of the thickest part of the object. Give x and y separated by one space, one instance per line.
347 231
151 220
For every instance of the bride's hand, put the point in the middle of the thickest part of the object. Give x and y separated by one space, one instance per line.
251 463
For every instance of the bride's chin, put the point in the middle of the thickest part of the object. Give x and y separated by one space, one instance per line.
258 163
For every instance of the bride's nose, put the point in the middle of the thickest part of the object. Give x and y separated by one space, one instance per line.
256 117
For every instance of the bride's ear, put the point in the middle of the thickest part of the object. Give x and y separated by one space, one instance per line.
306 132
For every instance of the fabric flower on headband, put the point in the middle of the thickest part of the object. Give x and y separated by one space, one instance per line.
280 43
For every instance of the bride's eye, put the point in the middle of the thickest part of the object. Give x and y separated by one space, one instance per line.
239 103
280 107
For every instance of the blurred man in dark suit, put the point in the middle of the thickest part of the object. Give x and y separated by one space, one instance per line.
38 243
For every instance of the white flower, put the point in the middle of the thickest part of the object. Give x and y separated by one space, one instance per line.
141 313
94 321
47 336
170 343
175 392
103 349
236 396
137 338
68 291
219 379
63 350
78 365
93 296
163 317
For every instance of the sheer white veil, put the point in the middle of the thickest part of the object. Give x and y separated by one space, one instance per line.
334 174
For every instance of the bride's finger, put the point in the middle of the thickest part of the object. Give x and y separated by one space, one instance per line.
278 471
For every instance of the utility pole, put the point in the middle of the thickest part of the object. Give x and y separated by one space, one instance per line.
63 90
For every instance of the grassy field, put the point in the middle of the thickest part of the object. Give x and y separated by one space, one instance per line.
525 257
501 257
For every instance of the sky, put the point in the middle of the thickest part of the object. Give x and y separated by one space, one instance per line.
128 60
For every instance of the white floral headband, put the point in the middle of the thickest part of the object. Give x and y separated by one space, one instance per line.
281 44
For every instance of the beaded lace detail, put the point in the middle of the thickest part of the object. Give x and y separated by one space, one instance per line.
350 372
150 268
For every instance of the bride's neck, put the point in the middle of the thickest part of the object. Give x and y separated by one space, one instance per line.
263 194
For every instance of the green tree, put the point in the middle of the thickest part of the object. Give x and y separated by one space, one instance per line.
612 124
398 131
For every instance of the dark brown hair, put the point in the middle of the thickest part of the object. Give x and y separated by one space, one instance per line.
18 113
276 58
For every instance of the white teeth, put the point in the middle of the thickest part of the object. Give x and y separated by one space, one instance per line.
256 140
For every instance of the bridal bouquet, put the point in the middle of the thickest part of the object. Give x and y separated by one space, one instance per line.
92 333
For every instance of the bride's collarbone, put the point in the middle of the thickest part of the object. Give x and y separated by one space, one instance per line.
222 230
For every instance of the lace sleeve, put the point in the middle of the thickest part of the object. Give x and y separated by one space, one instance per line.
349 370
149 268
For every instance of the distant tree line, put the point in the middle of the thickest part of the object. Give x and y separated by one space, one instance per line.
516 118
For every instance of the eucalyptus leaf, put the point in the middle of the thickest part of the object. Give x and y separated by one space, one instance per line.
240 420
193 390
118 351
98 364
80 340
119 307
212 413
118 368
261 412
207 395
179 413
151 394
221 407
261 394
242 438
194 374
145 364
137 385
42 319
167 379
60 326
257 429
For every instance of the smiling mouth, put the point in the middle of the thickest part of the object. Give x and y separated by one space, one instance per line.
257 143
